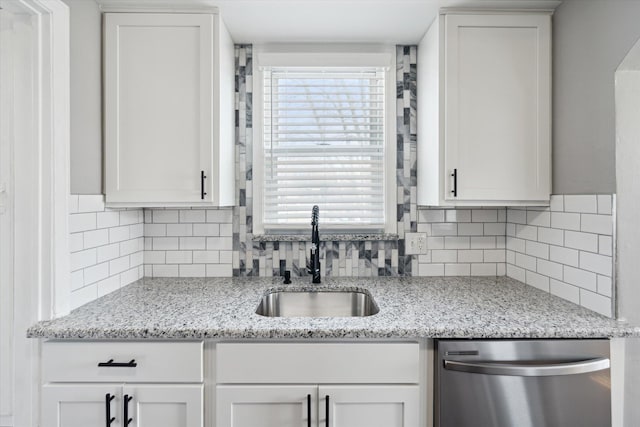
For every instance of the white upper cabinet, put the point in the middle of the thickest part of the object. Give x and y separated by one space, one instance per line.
484 110
169 110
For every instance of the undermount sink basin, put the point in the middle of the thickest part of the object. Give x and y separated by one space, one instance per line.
324 303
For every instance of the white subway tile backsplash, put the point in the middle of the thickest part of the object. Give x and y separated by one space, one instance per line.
550 269
470 229
457 269
219 270
563 255
516 216
537 280
192 243
557 203
207 257
605 245
165 216
226 257
538 250
564 290
192 270
444 256
73 203
494 255
96 273
192 215
119 234
475 255
597 263
457 215
582 241
551 236
432 215
222 216
598 303
457 242
484 215
179 257
539 218
155 257
97 236
488 242
206 229
82 259
581 203
605 204
565 221
82 222
108 252
601 224
444 229
155 230
129 217
165 271
484 269
515 244
581 278
435 242
91 203
218 243
494 229
516 273
166 243
108 219
179 229
526 232
76 242
431 269
605 286
118 265
526 261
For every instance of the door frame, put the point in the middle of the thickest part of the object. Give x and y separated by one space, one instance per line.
40 200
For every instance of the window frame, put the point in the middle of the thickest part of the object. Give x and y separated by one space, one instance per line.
329 56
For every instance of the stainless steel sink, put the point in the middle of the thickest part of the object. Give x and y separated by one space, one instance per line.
324 303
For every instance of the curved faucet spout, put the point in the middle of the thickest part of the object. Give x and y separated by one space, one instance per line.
314 262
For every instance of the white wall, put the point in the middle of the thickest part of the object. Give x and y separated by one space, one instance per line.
86 97
627 99
591 37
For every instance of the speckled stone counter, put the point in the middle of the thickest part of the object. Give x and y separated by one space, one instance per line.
420 307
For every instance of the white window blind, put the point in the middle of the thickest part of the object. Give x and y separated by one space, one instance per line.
324 137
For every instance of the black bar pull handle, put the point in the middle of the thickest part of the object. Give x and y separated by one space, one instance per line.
202 178
308 410
111 364
107 403
455 183
126 418
326 414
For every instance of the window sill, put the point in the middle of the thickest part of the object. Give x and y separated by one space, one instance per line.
336 237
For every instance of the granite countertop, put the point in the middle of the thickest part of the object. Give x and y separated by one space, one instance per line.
434 307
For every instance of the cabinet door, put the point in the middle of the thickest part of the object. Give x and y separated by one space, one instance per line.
158 107
497 109
369 406
266 406
167 405
81 405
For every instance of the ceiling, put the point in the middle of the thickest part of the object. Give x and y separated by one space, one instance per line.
327 21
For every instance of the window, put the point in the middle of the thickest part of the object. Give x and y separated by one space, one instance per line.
323 139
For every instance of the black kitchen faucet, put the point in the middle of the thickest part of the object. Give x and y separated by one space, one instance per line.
313 267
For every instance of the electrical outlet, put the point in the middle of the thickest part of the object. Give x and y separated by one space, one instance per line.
415 243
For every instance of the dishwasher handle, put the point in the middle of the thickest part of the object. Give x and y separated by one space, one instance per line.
529 370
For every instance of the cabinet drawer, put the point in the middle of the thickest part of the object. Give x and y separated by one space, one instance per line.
335 363
71 361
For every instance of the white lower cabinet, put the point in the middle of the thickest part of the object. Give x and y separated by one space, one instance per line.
318 384
83 405
122 384
80 405
317 406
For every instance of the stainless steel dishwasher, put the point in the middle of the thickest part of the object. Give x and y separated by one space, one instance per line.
523 383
